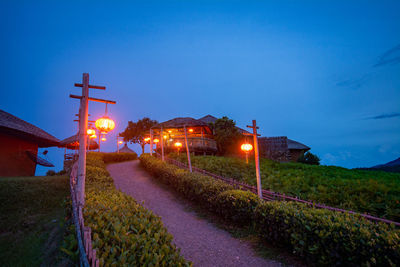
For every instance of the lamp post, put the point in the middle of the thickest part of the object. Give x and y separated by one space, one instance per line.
256 156
246 148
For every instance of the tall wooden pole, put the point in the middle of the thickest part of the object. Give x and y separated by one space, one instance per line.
151 142
187 150
83 120
256 157
162 144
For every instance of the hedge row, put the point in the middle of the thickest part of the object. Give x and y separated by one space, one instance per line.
124 232
322 237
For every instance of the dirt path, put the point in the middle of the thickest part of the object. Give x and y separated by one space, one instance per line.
199 241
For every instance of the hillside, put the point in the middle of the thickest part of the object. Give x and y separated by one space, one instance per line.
391 166
372 192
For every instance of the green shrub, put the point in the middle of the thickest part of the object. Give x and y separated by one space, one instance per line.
322 237
50 173
124 232
237 206
309 158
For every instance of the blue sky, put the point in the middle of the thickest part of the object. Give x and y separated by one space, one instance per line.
326 74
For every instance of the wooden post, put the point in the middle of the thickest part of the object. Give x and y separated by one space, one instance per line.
256 157
187 150
151 142
162 144
99 140
83 120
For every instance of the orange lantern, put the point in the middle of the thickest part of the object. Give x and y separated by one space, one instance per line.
93 136
105 124
103 139
90 132
156 140
147 139
246 147
190 130
178 144
120 142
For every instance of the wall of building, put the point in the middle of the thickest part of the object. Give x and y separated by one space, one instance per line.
13 159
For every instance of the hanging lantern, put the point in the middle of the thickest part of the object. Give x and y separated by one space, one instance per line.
103 139
147 139
156 140
105 124
120 142
246 147
90 131
190 130
93 136
178 144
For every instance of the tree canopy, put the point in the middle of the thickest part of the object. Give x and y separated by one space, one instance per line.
136 132
226 135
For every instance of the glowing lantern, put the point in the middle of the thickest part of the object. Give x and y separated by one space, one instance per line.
156 140
246 148
178 145
105 124
147 139
165 137
120 142
90 132
190 130
103 139
93 136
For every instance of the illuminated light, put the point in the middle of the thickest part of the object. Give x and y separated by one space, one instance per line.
120 142
93 136
178 144
190 130
246 147
90 132
165 137
156 140
103 139
170 131
147 139
105 124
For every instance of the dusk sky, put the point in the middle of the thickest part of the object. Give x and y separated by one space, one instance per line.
324 74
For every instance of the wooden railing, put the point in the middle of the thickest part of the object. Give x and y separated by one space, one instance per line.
273 196
87 255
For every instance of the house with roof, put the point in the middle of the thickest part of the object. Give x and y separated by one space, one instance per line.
201 139
199 135
20 141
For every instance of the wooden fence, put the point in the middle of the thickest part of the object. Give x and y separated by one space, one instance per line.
270 195
87 255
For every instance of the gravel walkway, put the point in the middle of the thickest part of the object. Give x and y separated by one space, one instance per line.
199 241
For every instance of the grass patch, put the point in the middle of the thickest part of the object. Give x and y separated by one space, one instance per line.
32 220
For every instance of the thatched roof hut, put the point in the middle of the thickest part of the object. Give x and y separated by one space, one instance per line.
180 123
211 119
72 142
126 149
20 141
16 127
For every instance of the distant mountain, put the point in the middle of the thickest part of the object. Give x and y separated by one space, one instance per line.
392 166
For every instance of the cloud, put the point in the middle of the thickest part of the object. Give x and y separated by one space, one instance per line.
355 83
384 116
391 56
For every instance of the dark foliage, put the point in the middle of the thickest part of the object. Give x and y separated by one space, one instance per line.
309 158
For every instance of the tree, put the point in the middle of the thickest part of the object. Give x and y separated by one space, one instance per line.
309 158
226 135
136 132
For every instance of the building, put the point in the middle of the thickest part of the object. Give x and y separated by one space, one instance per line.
20 141
199 135
125 149
281 148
